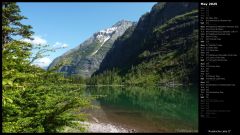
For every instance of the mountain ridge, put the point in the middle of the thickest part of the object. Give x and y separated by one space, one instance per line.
86 57
160 49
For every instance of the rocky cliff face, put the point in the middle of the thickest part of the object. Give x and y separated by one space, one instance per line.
160 48
85 59
132 43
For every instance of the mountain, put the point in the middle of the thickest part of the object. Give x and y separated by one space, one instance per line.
160 48
86 58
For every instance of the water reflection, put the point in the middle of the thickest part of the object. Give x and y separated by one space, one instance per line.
149 109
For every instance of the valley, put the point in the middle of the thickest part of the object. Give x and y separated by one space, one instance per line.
129 77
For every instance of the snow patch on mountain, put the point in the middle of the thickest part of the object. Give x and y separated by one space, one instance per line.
109 30
106 39
104 35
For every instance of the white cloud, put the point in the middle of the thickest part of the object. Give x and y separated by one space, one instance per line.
42 62
37 40
60 45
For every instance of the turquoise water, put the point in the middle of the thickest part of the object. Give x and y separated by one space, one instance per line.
147 109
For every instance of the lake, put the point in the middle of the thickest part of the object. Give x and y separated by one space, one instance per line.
146 109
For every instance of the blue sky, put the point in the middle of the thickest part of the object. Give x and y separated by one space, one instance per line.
66 25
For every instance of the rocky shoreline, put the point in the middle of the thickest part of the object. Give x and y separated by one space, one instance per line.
104 128
96 127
